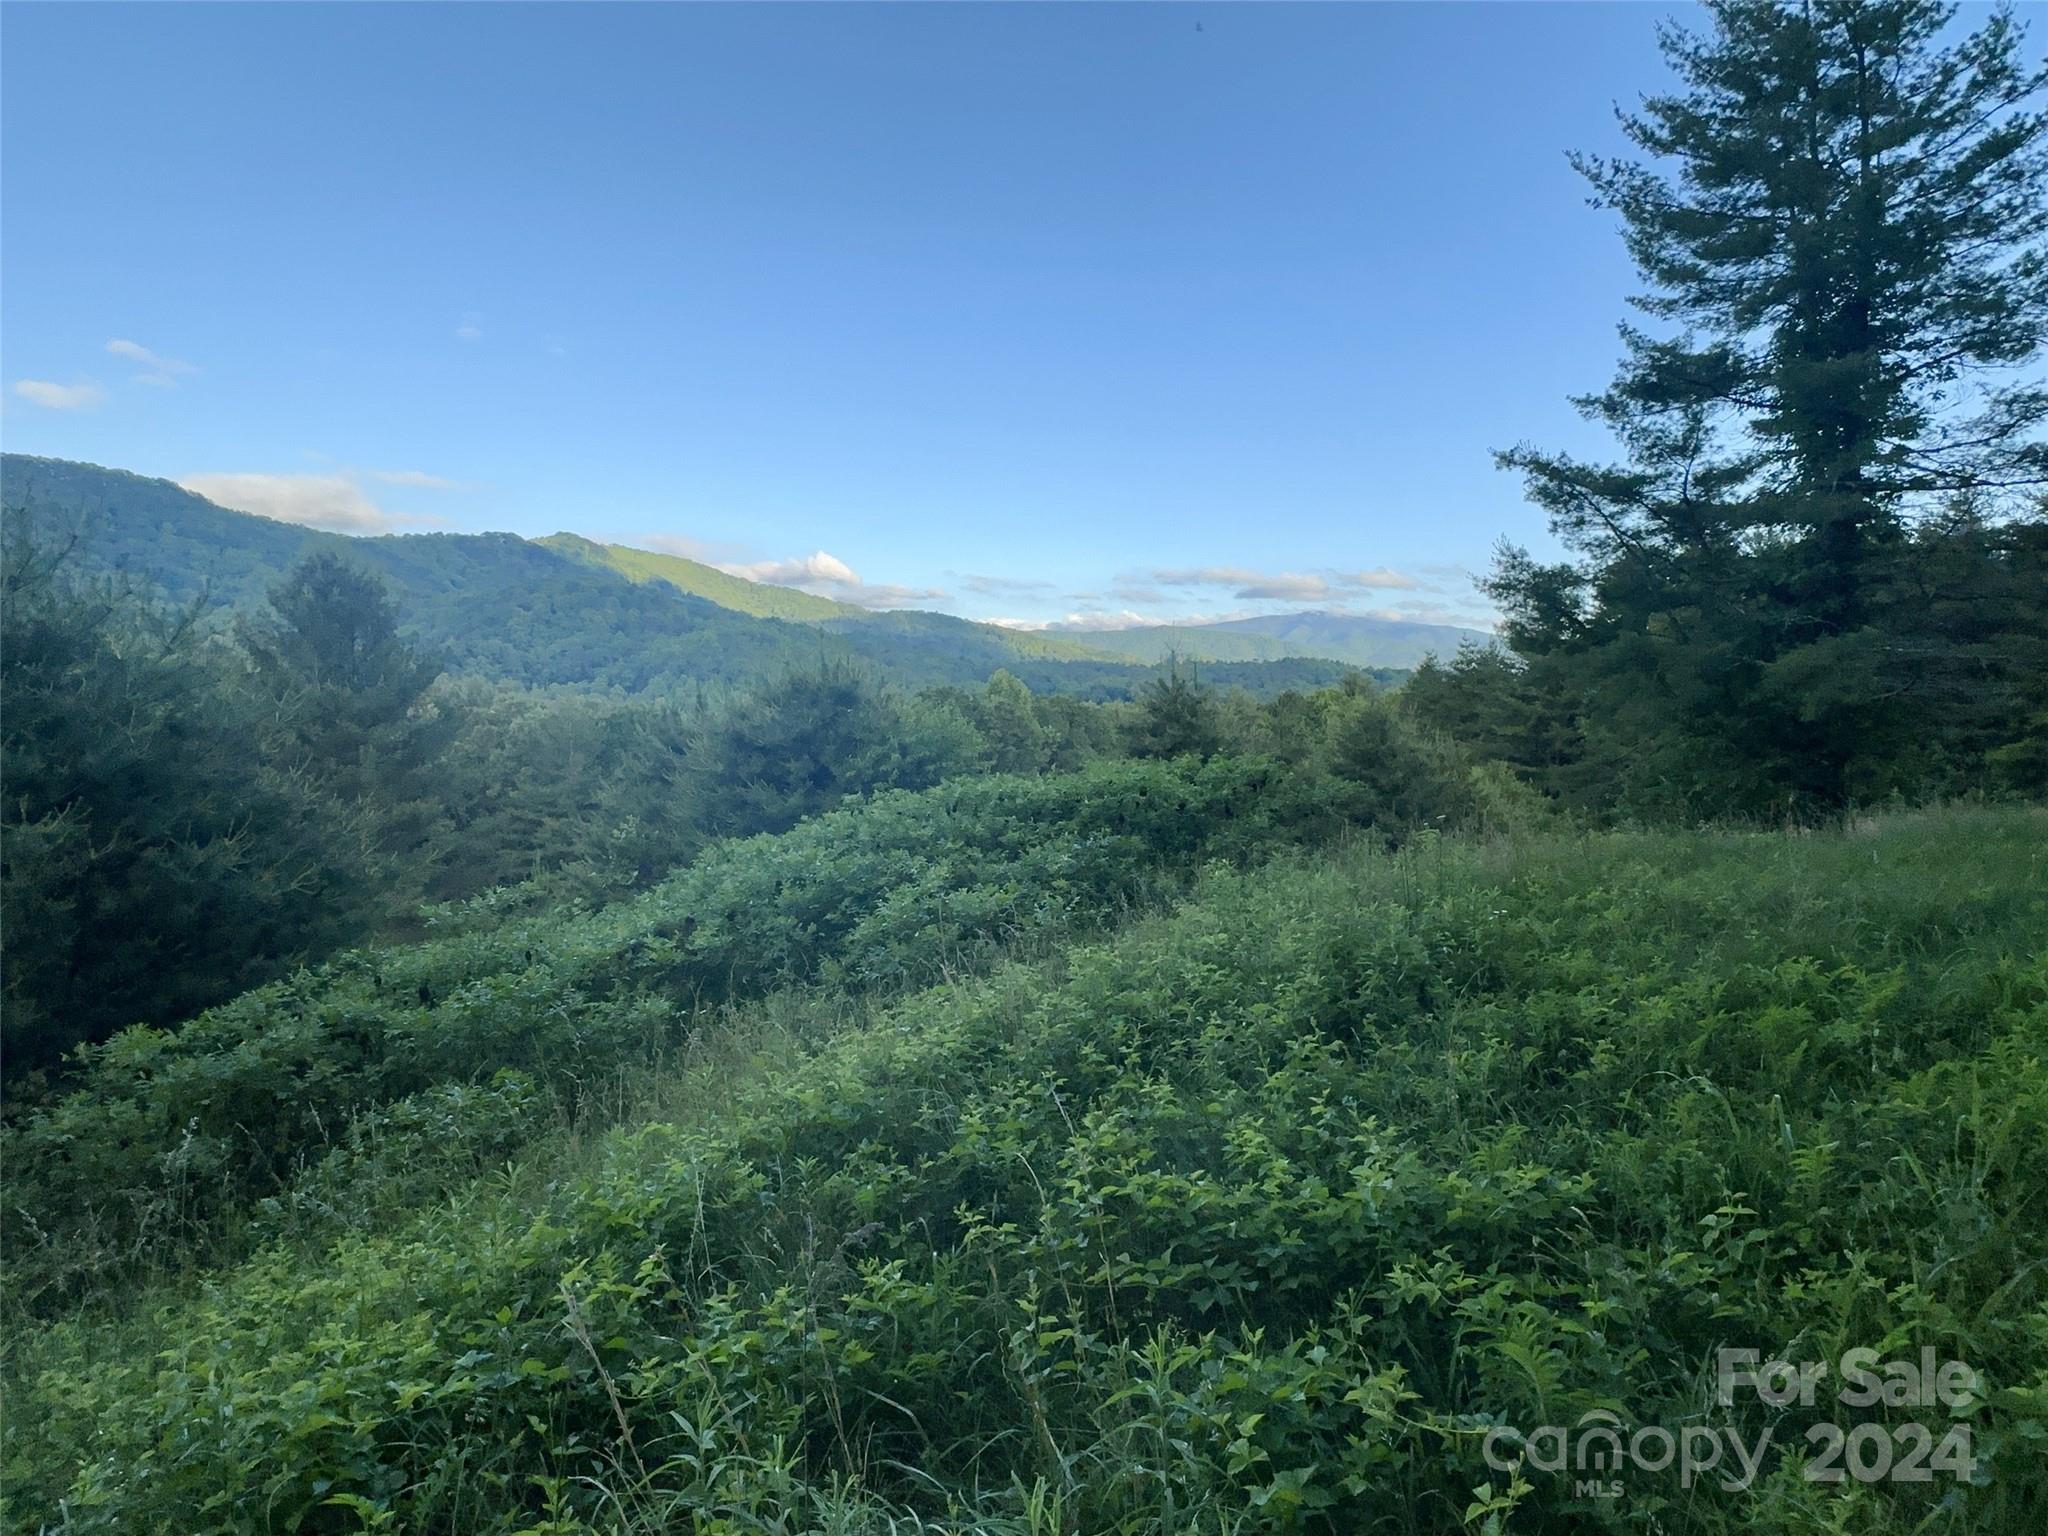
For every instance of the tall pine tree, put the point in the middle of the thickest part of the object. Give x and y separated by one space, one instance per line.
1840 225
349 708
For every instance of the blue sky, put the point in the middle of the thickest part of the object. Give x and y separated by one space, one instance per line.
1028 312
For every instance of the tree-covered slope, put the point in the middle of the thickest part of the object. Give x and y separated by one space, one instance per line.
491 603
560 611
501 606
878 628
161 534
919 626
759 598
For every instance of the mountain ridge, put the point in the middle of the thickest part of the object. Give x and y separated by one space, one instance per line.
235 554
1356 639
768 600
1316 633
557 612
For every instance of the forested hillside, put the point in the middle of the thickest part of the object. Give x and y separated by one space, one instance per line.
559 612
706 581
306 777
526 1039
766 601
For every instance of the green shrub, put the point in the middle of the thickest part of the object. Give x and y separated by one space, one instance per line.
171 1132
1255 1217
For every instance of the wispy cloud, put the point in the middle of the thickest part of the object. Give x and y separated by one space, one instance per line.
1382 578
997 586
418 479
471 328
716 552
82 396
159 371
1287 586
1087 620
825 575
333 502
1095 620
1432 613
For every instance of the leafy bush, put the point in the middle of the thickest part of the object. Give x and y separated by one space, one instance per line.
1256 1217
167 1132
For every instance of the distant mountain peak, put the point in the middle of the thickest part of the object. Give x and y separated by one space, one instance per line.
1361 640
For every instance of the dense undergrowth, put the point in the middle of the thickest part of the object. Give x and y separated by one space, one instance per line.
1255 1216
169 1134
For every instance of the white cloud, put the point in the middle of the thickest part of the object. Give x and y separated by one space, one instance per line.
1087 620
83 396
163 372
825 575
333 502
817 569
472 327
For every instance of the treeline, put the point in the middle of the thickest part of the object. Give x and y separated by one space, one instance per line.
1942 692
1817 575
192 810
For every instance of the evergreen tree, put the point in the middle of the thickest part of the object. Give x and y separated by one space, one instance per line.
1176 716
334 637
1845 235
156 861
348 693
1488 702
1384 771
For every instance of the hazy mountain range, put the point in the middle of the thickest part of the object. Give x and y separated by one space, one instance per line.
1354 638
567 610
